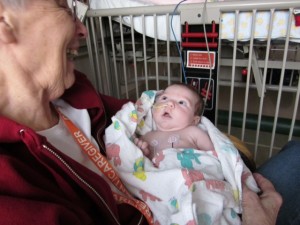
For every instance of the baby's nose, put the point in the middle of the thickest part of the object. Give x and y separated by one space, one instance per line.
171 103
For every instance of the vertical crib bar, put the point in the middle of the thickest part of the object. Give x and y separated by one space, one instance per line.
134 58
104 58
264 82
123 58
156 51
116 80
248 75
218 69
292 78
233 70
271 76
168 47
145 53
106 87
281 82
295 111
91 31
296 104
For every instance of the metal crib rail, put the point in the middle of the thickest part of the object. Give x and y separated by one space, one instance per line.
125 63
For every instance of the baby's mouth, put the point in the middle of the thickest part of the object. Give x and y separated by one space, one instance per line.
71 54
166 114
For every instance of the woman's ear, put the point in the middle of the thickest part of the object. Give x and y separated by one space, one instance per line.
6 29
197 119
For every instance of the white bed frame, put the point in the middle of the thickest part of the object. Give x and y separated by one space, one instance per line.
262 109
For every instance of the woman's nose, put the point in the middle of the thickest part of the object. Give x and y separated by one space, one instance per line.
81 30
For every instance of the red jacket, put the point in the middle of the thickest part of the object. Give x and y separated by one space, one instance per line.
40 185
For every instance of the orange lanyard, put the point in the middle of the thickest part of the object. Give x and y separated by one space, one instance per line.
106 168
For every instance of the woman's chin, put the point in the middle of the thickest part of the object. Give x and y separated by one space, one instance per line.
70 65
70 75
70 80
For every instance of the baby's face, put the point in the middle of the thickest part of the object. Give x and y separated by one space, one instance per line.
174 109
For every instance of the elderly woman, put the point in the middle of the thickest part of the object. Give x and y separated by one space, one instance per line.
45 176
51 126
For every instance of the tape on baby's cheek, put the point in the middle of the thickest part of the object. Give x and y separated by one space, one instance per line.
159 106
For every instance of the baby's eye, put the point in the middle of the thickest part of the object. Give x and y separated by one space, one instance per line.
163 98
182 103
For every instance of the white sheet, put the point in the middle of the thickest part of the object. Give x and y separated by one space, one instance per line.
227 21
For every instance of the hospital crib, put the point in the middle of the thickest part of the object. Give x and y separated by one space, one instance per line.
243 56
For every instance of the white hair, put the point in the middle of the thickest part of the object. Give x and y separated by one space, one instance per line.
13 3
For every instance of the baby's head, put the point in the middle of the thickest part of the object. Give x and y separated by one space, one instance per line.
177 107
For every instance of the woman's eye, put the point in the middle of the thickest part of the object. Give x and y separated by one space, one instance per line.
69 11
65 6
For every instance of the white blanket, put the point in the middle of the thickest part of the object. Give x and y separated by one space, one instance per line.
181 186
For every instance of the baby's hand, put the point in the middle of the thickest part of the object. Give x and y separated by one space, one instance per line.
143 145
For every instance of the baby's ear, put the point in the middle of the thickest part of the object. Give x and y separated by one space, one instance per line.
197 120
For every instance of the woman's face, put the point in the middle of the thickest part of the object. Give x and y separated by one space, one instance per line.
49 37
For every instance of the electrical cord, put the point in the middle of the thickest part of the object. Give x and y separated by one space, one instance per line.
204 14
178 48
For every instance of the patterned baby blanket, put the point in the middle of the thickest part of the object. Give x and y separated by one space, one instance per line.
181 186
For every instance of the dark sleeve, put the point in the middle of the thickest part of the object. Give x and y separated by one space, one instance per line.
112 105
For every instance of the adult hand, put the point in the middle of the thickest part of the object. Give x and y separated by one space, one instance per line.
261 209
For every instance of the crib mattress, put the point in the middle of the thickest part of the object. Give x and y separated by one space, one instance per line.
227 22
261 26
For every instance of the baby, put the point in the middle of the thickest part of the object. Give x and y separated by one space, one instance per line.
176 113
186 173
